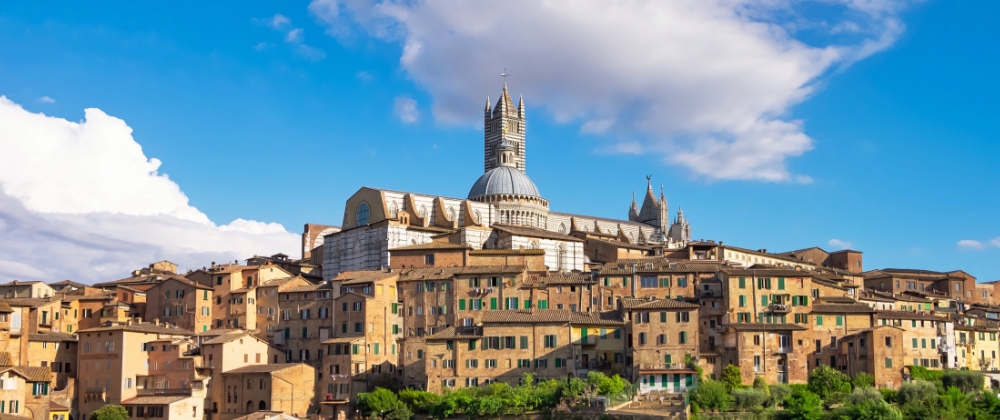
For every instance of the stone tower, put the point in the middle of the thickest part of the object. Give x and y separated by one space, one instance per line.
503 122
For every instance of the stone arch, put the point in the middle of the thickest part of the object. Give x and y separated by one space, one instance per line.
261 405
393 210
249 407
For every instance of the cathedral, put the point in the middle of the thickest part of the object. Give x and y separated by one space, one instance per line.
504 212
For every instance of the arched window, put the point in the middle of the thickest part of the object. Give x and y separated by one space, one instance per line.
249 407
362 214
261 406
249 386
393 210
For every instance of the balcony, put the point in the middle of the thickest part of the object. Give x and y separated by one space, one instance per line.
99 390
784 349
662 366
708 293
780 307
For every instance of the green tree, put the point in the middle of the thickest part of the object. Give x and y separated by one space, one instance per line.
830 385
760 384
803 405
748 399
382 403
732 377
870 410
778 394
110 412
864 394
986 406
711 395
956 403
421 401
964 380
916 392
863 380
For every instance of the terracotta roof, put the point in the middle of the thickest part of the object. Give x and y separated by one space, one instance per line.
95 296
155 400
640 304
772 272
278 281
265 415
339 340
262 368
20 283
215 332
225 338
35 373
984 328
445 273
29 302
186 281
54 406
145 327
532 232
840 308
552 315
887 314
364 276
431 245
5 359
477 252
658 265
51 336
456 333
838 299
302 288
832 284
766 327
621 244
5 307
68 283
151 278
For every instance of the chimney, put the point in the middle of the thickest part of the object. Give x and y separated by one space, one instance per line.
138 320
128 322
156 322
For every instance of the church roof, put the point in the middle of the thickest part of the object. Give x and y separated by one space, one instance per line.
504 180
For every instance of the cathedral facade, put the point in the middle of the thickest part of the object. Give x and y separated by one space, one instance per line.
504 210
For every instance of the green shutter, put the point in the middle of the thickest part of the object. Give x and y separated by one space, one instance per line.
763 300
543 304
524 342
781 283
914 343
625 281
558 362
819 319
618 333
527 304
667 358
743 282
743 300
376 348
493 303
663 316
461 304
840 320
472 344
395 329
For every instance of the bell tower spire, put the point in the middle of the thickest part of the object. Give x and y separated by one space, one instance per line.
504 123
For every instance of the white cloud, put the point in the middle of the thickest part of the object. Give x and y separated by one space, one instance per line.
279 20
839 244
82 201
995 242
704 83
406 110
262 46
311 53
971 244
294 35
46 100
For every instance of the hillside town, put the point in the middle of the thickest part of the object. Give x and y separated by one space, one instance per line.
435 293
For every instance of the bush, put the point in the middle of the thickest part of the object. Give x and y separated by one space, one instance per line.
864 394
420 401
803 405
889 395
916 392
760 384
863 380
711 395
383 402
748 399
829 385
966 381
732 377
870 410
778 394
110 412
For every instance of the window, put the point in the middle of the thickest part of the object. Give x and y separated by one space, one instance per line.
642 338
362 214
491 363
550 341
888 362
429 259
648 282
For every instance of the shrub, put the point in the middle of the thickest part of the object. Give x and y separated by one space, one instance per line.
863 380
778 394
916 392
803 405
829 384
420 401
889 395
110 412
864 394
870 410
383 402
711 395
747 399
732 377
760 384
966 381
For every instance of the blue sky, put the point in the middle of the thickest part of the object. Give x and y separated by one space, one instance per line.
281 119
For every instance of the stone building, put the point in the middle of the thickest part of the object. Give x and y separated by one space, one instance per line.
182 302
283 387
877 351
662 335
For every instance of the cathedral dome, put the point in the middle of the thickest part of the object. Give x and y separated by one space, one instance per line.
503 180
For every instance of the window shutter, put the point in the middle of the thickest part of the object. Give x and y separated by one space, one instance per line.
663 316
493 303
524 342
781 283
743 282
461 304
